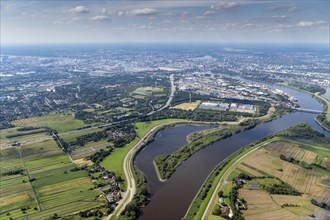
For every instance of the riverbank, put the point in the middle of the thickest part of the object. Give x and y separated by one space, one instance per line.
114 162
124 163
145 132
322 119
168 163
202 198
204 201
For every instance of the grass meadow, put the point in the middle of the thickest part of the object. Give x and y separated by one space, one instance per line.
46 186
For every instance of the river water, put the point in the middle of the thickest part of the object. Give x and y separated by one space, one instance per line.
171 199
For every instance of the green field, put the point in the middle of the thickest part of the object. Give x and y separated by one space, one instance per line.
89 149
266 169
73 136
187 105
310 151
59 122
149 90
45 187
20 135
114 162
327 103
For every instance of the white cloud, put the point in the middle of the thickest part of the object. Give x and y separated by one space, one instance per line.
304 24
223 5
280 28
210 12
79 10
76 18
100 18
220 6
142 11
283 9
200 17
279 17
57 22
185 13
104 11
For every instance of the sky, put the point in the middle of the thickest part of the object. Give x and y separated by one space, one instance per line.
248 21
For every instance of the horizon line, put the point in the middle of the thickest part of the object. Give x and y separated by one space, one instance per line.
158 42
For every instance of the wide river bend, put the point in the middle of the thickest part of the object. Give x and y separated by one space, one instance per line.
171 199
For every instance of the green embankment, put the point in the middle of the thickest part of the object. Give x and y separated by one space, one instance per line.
292 134
114 162
201 200
324 119
167 164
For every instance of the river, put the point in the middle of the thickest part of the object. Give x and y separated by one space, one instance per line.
171 199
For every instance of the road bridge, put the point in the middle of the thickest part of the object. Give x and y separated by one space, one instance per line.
311 110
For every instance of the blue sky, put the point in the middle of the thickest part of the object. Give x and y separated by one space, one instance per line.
254 21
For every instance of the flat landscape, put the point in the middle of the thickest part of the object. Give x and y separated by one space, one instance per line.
187 106
266 168
60 122
44 183
147 110
114 162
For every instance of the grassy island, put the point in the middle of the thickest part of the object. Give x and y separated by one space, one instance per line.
166 164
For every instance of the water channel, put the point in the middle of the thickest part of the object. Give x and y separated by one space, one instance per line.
171 199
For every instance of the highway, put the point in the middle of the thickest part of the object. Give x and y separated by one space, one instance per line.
169 98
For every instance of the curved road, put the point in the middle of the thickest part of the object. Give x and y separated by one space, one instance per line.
169 98
215 193
128 167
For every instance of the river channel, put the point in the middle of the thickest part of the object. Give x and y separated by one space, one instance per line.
171 199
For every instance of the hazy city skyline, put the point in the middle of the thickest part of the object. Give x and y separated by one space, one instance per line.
164 21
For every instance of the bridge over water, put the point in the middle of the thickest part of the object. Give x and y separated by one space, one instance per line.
311 110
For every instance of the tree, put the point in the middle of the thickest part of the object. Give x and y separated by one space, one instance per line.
220 193
217 210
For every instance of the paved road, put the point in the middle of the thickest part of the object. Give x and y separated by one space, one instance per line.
215 193
100 126
169 98
128 167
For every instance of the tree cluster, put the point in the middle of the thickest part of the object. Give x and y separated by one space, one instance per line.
322 205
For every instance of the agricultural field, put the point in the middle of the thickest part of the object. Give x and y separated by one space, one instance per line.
113 111
148 90
37 181
59 122
11 135
306 172
89 149
187 106
73 136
